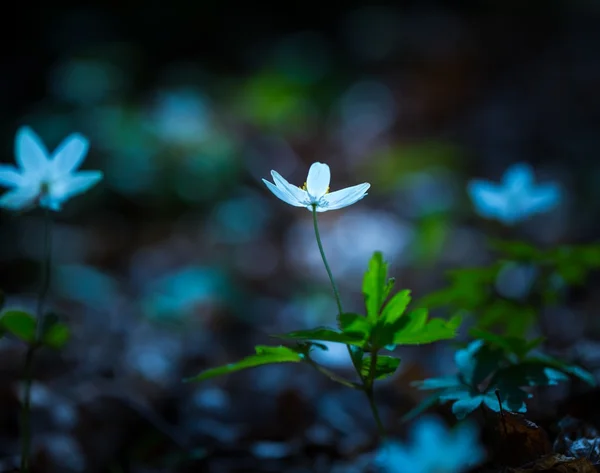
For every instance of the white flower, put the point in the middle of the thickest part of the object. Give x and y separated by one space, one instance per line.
516 198
315 191
44 180
433 449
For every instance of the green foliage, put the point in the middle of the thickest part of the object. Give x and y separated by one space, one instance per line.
19 323
23 325
56 335
471 290
324 334
383 326
384 366
264 355
386 324
376 286
493 366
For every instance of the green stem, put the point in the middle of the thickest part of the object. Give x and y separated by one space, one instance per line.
367 384
331 375
28 370
327 268
368 387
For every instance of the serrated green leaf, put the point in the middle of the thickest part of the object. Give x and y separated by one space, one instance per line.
375 285
323 334
388 288
265 355
420 330
56 335
20 323
355 324
385 366
390 321
396 306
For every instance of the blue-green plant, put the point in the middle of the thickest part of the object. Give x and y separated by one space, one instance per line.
494 371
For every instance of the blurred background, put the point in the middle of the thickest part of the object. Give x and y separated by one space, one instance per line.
181 259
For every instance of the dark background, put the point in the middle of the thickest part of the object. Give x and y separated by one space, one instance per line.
181 260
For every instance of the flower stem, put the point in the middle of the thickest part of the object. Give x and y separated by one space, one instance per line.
368 388
336 293
33 346
367 383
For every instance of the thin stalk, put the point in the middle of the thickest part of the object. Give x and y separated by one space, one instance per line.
367 384
28 370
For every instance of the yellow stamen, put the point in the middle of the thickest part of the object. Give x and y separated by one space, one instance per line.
304 188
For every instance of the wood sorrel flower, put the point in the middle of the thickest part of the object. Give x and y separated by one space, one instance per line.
516 198
315 192
45 180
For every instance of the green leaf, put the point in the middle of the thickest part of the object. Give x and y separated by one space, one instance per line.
265 355
56 336
323 334
385 366
420 330
438 383
479 361
395 308
573 370
517 250
515 345
469 289
390 321
375 285
388 288
20 323
515 318
355 324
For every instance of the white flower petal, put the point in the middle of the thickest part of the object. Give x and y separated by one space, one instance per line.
74 184
20 198
430 430
30 152
295 193
345 197
286 197
10 177
318 180
543 198
69 154
489 199
393 457
518 176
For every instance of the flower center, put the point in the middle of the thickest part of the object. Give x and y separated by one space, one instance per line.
45 187
304 188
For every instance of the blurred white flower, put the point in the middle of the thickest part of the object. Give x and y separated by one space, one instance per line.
45 180
516 198
433 449
315 191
